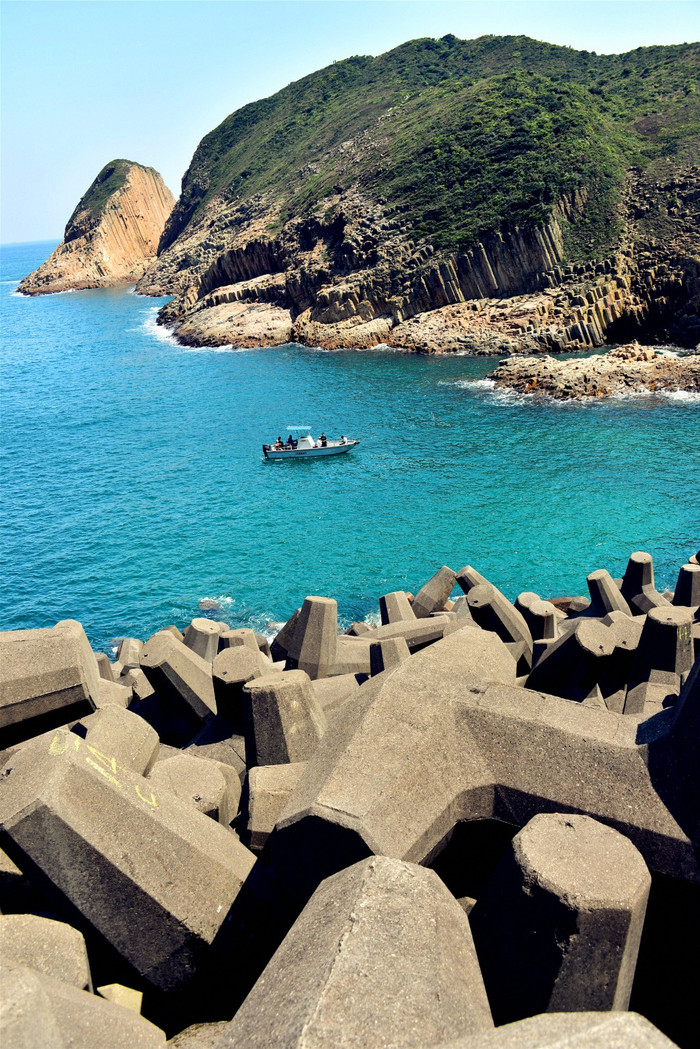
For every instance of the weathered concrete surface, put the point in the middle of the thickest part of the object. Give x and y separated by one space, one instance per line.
574 664
49 946
492 610
117 993
570 1031
388 654
39 1012
664 654
312 647
395 607
199 782
269 788
233 668
557 928
417 632
48 677
638 584
202 637
283 720
73 813
432 596
382 955
434 743
332 692
124 736
183 679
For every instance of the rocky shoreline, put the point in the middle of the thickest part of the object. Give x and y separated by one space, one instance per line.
475 824
624 369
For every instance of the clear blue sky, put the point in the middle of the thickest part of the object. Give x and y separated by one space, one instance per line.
85 82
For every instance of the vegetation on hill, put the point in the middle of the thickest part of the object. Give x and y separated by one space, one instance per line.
110 179
464 137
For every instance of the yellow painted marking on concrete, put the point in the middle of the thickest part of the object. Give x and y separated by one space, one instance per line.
149 801
109 763
103 772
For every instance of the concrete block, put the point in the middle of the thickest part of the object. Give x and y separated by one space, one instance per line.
199 782
461 609
557 928
432 596
357 629
48 677
42 1013
280 644
468 577
333 692
386 655
542 617
269 788
572 666
395 608
686 741
49 946
687 590
181 677
220 741
385 937
205 1036
104 667
202 637
113 694
313 645
129 652
112 847
417 634
264 645
234 638
232 669
638 587
664 653
352 656
619 1030
491 610
626 632
118 994
124 736
605 594
283 720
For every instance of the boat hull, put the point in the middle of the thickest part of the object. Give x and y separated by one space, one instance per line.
311 453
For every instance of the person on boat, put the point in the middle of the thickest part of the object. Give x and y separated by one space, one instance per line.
324 440
343 439
290 441
278 443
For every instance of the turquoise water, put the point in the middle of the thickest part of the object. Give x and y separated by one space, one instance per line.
133 484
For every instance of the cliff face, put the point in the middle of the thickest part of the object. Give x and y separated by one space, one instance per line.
485 196
112 236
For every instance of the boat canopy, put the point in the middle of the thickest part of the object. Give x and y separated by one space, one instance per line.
298 429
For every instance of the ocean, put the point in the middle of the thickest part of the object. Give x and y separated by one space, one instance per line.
134 486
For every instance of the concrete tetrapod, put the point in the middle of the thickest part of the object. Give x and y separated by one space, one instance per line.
445 738
110 847
282 718
382 955
573 665
202 637
558 926
638 584
492 610
570 1031
124 736
664 653
312 647
432 596
201 783
687 590
395 607
51 947
605 594
48 677
42 1013
183 680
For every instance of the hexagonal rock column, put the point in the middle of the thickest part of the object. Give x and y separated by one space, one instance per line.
395 607
202 637
42 1011
664 653
381 955
568 1031
282 718
638 587
492 610
51 947
114 848
48 677
432 596
557 928
572 666
312 647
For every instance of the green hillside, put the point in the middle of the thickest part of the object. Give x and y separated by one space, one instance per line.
464 137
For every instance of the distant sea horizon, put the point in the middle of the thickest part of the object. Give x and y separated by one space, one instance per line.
134 487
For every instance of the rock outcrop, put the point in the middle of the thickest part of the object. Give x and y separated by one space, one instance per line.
112 236
624 369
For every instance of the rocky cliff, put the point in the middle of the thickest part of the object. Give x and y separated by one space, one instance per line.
113 234
488 196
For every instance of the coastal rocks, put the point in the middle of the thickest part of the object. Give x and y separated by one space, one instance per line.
543 815
112 236
624 369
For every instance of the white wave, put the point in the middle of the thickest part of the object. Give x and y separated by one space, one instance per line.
475 384
685 396
15 282
151 327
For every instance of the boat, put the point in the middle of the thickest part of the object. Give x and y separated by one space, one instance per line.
303 446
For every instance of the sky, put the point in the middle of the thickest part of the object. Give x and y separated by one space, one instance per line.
85 82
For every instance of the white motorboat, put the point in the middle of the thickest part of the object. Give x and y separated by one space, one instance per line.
301 445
